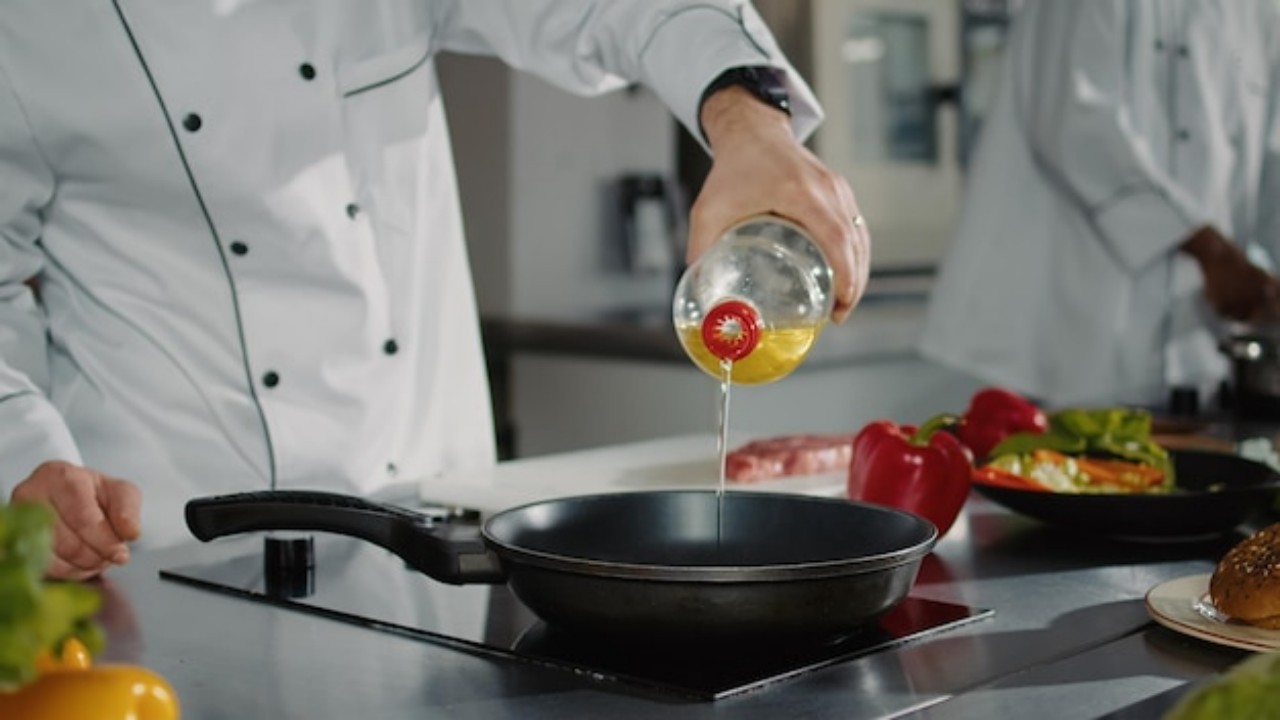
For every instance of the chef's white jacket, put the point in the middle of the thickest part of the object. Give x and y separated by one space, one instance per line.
1120 126
244 221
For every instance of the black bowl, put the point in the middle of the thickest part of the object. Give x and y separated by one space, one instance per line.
1215 493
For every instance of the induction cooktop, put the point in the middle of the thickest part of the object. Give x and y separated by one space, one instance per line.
489 620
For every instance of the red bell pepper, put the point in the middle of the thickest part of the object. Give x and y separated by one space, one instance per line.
926 471
994 414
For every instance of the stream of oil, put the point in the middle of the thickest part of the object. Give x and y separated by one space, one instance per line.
726 381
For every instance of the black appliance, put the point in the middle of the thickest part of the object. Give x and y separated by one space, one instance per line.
356 582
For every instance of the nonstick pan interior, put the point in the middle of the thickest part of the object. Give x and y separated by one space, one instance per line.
692 534
655 567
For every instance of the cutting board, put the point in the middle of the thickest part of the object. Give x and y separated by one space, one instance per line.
687 462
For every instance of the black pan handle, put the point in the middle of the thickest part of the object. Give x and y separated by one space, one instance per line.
448 553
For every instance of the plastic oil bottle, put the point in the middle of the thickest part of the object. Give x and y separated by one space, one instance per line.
757 300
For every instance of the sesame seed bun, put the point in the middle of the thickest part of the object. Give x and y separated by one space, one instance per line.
1246 583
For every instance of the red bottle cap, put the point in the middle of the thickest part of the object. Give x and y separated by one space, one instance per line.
731 330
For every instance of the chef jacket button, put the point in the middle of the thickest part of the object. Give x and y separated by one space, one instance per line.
353 210
271 378
1184 135
307 71
192 122
392 470
1184 51
239 248
1159 46
391 347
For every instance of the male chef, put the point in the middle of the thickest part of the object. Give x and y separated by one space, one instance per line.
231 254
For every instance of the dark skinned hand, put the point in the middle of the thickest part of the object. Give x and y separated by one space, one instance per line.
1235 288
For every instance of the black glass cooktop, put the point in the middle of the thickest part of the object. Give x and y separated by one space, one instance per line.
360 583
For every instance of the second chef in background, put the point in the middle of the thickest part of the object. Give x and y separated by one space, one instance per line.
1126 175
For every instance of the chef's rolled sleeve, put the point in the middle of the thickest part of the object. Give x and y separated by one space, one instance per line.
674 47
694 45
34 432
31 429
1143 226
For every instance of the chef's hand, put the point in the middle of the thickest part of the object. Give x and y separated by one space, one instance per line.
1235 288
759 167
96 516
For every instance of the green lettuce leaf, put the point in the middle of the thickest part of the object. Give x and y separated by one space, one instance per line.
1120 432
1250 689
36 615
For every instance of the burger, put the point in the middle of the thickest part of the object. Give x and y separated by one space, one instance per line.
1246 583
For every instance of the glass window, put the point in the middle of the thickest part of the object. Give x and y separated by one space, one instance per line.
892 92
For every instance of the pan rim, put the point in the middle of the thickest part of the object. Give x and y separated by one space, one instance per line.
728 574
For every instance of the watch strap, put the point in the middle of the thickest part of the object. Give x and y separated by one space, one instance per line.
765 83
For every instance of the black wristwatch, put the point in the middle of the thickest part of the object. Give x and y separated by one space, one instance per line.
762 81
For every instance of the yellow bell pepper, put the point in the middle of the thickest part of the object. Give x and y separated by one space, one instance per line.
73 656
68 687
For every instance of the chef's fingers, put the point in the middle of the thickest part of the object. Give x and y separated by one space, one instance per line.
860 246
81 506
1254 298
1266 308
83 540
832 223
122 501
823 203
861 257
73 558
60 569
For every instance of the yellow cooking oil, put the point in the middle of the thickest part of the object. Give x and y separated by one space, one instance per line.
726 372
779 351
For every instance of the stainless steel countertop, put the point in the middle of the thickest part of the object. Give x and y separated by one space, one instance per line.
1070 638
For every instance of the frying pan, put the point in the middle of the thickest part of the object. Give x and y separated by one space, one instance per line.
655 566
1214 493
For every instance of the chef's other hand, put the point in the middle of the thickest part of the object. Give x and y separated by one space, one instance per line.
759 167
1235 288
97 516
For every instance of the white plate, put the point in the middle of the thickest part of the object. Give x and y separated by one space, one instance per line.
1183 605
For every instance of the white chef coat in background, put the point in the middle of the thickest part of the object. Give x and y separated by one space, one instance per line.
1119 128
245 224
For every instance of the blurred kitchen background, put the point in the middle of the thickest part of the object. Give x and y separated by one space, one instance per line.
575 211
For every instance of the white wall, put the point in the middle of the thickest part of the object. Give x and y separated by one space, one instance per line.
566 153
477 95
564 404
536 167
